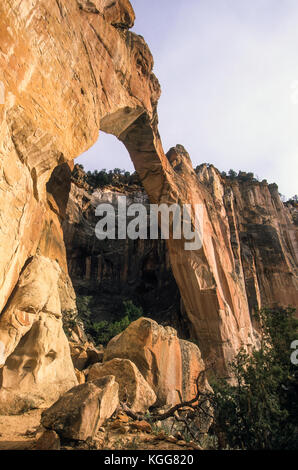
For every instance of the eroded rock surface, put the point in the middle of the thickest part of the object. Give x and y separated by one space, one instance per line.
261 231
70 69
80 412
67 70
85 355
99 76
35 351
133 389
49 440
161 358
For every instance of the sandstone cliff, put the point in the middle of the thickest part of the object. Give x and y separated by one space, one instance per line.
263 236
70 69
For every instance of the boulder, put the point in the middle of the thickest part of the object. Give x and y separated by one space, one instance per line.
38 366
35 351
79 358
133 388
35 292
167 364
84 355
192 366
94 354
78 413
49 440
40 369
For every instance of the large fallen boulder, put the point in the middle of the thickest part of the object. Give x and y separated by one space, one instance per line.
170 366
133 388
82 410
192 366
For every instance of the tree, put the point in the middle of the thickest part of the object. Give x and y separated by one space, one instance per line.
293 201
232 174
103 331
259 411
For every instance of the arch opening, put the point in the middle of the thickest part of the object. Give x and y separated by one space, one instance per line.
107 273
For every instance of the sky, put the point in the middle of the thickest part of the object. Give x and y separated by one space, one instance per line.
228 70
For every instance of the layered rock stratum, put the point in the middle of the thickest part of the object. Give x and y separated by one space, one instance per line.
262 232
68 70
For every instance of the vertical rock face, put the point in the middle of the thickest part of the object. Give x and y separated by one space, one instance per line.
69 69
264 237
66 72
212 289
115 270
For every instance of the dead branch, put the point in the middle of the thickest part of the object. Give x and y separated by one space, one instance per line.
170 413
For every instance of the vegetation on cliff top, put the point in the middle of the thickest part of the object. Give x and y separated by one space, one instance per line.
102 178
119 178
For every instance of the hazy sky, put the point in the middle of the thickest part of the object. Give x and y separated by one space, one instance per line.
229 76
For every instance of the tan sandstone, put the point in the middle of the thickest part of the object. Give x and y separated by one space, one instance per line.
133 389
38 367
70 69
68 72
82 410
49 440
162 359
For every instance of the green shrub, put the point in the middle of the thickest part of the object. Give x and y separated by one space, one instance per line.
260 410
102 178
103 331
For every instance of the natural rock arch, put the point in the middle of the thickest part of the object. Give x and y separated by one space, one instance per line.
70 69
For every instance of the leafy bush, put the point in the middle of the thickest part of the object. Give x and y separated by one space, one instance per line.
293 201
83 306
103 331
260 410
102 178
232 174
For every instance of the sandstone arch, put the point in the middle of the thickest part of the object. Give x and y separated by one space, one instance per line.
70 69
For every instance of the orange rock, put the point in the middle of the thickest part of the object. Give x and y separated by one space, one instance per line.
123 418
170 366
133 389
98 75
142 426
38 368
161 436
82 410
119 14
84 355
